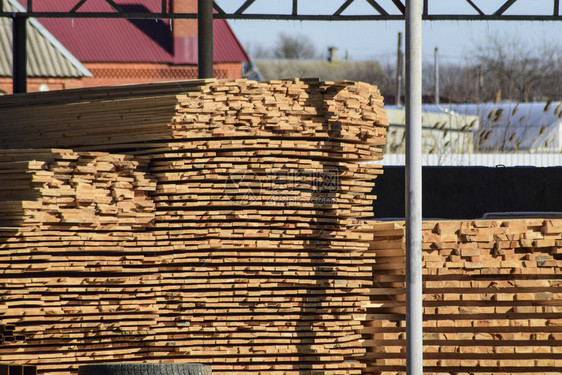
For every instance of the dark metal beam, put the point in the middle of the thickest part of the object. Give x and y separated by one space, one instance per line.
377 6
505 7
19 57
205 38
475 7
394 14
400 6
114 6
110 2
343 7
244 6
289 17
218 8
77 6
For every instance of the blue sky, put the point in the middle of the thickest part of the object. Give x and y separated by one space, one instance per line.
365 40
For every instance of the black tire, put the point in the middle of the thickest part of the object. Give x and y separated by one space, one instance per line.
145 369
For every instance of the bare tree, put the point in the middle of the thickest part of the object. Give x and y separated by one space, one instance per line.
294 47
257 51
502 68
459 82
551 85
387 82
511 67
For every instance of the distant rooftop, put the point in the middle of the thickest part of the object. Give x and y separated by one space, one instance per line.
46 56
123 40
325 70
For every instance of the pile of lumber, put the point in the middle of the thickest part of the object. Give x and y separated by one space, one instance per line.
222 222
64 190
224 226
492 297
123 117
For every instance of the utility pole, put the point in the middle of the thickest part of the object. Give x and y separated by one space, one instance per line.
436 74
399 67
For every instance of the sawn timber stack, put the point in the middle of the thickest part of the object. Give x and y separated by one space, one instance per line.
492 297
209 221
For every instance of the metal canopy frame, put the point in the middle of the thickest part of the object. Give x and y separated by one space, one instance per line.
412 12
396 11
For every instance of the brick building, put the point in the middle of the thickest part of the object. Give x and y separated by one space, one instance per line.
50 66
121 51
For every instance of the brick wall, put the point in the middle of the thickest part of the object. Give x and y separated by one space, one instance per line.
34 84
110 74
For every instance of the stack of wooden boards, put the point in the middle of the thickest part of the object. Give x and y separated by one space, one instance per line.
492 297
65 190
209 221
221 222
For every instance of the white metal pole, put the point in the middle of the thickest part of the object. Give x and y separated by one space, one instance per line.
414 312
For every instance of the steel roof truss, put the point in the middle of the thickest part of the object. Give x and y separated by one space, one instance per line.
343 7
400 6
244 6
217 8
378 8
504 7
395 11
111 3
475 7
76 7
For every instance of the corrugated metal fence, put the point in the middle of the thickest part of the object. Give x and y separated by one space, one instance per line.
480 160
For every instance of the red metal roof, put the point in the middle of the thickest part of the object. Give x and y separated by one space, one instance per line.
121 40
